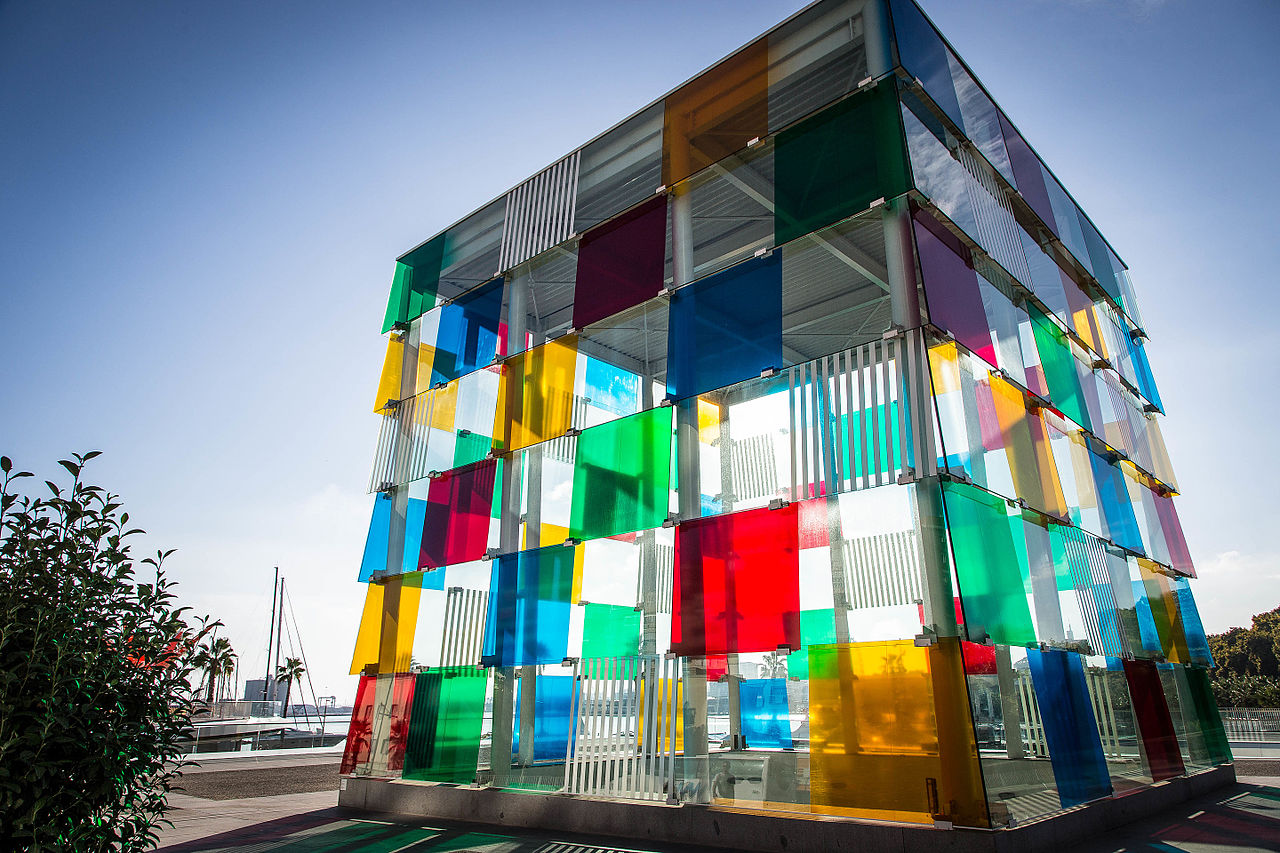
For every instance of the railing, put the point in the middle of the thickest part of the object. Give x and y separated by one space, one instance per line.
232 709
1258 725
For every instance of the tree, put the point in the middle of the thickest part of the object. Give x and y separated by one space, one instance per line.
218 660
1247 660
94 672
289 672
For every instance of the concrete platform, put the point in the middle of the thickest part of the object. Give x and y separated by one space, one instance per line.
719 827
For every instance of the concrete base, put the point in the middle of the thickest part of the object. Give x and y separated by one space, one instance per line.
776 832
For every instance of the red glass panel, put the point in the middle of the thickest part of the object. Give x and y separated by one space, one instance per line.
1154 723
401 705
620 263
456 523
360 732
737 583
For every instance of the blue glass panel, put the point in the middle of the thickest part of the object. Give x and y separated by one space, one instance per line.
415 516
1147 630
1146 382
766 717
1113 501
612 388
1197 642
1079 768
725 328
552 715
528 617
375 544
468 335
923 54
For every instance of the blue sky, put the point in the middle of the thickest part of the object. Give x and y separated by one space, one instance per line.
201 206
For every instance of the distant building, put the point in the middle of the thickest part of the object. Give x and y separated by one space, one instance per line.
813 358
253 690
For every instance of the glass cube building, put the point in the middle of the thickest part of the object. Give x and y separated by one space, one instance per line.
791 445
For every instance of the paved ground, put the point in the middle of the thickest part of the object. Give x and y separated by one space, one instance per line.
246 806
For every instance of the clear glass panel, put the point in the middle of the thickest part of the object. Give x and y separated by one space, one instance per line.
822 54
542 290
634 340
471 249
620 169
620 263
731 209
835 163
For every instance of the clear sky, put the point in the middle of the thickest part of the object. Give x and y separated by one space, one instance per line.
200 206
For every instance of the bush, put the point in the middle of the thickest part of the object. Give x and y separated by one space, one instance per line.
94 666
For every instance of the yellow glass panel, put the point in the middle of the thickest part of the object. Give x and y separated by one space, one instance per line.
426 358
535 395
1052 500
369 636
944 366
444 406
716 113
1165 611
708 422
664 736
392 368
1082 322
1160 461
1011 414
554 534
1082 467
400 598
890 734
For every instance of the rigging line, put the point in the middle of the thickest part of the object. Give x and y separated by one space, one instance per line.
288 635
306 666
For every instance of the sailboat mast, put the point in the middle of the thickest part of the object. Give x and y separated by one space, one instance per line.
266 679
284 712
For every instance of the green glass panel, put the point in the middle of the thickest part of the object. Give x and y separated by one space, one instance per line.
817 627
621 476
470 447
413 291
1059 367
444 727
1206 709
610 631
834 164
992 590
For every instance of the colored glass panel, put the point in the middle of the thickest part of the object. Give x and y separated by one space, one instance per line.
737 583
620 263
611 388
725 328
392 367
622 476
535 400
890 733
1113 501
369 634
1015 437
835 163
360 731
467 337
1206 712
1066 711
1175 540
400 597
528 617
716 113
766 716
817 627
456 520
552 716
1197 642
1155 725
443 743
1059 367
988 568
413 291
610 630
923 53
377 539
951 287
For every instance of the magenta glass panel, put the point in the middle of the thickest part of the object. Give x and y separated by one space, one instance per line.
456 524
620 263
1179 554
951 287
737 583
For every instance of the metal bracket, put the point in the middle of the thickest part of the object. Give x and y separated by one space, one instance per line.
779 503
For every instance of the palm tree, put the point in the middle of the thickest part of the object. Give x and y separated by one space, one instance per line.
288 672
774 665
217 659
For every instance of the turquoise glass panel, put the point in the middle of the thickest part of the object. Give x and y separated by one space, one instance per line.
378 538
766 715
552 716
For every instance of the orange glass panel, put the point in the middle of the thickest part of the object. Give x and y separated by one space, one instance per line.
385 638
944 367
716 113
890 734
1051 497
1015 435
664 702
535 396
392 368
